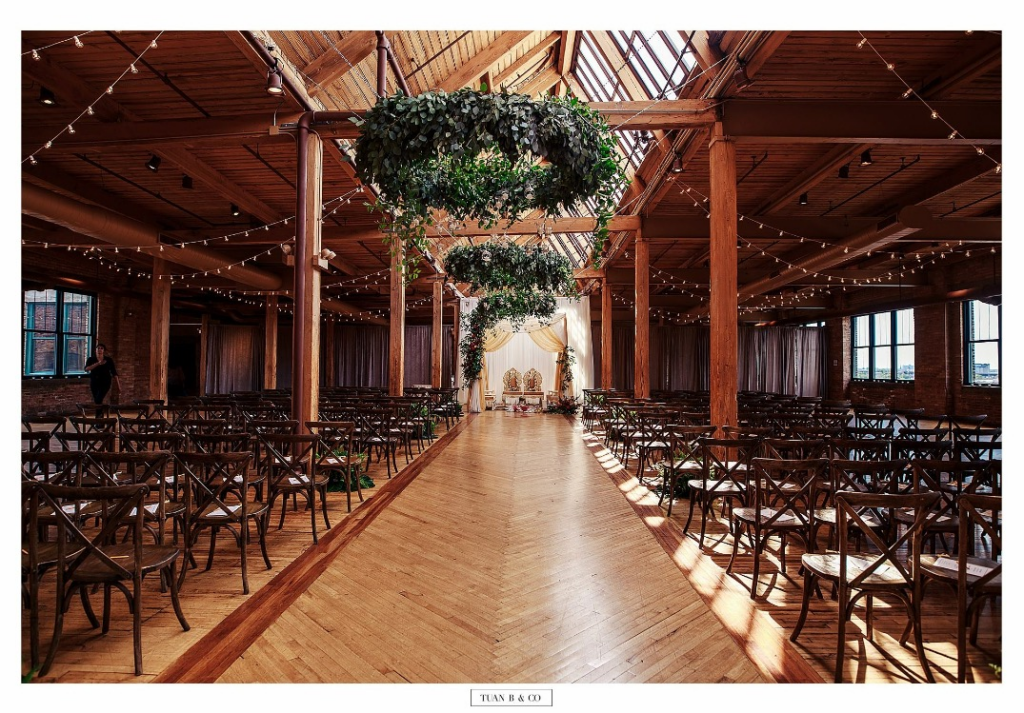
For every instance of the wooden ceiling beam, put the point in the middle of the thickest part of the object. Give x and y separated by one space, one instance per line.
513 69
539 84
480 62
708 56
339 60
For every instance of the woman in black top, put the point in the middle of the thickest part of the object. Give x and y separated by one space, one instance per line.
101 372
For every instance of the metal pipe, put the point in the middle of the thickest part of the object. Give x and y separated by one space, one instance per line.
382 65
397 69
303 266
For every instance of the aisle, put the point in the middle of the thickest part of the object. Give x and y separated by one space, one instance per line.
510 558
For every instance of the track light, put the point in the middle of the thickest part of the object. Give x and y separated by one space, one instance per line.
328 254
677 164
186 181
865 158
46 97
153 164
803 199
234 210
844 171
275 81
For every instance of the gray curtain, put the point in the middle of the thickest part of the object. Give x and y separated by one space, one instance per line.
812 354
623 340
685 358
361 355
234 359
417 354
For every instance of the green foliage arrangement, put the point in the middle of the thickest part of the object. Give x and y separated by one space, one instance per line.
566 360
476 156
509 266
511 305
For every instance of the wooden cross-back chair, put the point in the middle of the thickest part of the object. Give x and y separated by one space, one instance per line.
291 459
336 454
218 483
858 575
107 557
723 475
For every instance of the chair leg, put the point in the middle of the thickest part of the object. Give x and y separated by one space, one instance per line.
844 615
262 525
243 544
136 620
172 579
805 605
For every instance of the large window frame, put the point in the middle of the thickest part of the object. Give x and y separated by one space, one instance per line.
878 341
971 342
58 330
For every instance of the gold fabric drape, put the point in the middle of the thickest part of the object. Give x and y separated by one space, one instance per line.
546 339
494 340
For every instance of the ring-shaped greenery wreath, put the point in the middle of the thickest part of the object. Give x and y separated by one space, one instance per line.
477 156
518 283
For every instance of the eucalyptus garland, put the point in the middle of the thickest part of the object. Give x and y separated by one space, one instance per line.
475 156
494 266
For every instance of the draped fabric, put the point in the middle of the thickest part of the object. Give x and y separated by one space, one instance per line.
418 350
549 341
361 355
685 357
623 340
571 325
494 339
234 359
812 367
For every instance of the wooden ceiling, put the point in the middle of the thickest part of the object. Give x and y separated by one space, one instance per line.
812 104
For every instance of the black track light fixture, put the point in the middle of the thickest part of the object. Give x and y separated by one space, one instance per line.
275 80
153 164
677 164
803 199
234 210
46 97
844 171
186 181
739 76
865 158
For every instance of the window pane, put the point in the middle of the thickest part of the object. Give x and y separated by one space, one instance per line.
40 310
861 331
905 363
905 326
883 363
984 321
76 351
39 356
883 328
77 313
984 366
860 364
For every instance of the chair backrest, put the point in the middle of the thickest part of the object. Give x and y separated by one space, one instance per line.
119 506
785 489
851 509
859 448
94 442
727 459
794 448
980 511
953 479
58 467
218 442
532 380
289 454
912 449
512 380
218 483
88 424
154 441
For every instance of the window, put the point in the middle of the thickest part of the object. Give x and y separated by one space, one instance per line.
58 331
982 345
883 346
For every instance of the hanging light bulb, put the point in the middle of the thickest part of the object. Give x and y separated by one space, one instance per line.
89 110
35 56
78 43
135 70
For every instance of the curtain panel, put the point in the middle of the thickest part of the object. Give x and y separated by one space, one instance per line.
234 360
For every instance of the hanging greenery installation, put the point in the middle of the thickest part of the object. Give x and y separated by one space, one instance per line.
477 156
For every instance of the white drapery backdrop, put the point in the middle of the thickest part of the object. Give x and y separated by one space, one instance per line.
571 324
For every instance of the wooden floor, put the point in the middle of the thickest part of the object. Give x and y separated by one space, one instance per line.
514 551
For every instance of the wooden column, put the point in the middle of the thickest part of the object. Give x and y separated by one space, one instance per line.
204 343
306 320
606 333
396 354
723 311
436 344
270 344
456 327
159 331
642 350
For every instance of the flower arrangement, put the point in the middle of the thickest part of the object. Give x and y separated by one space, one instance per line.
475 156
565 405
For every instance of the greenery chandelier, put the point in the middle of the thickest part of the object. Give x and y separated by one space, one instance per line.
485 157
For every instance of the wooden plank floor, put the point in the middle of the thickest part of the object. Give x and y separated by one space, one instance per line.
766 622
510 558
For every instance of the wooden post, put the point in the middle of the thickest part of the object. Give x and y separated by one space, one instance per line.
436 347
396 356
456 327
159 331
270 344
204 344
723 312
606 332
306 320
642 350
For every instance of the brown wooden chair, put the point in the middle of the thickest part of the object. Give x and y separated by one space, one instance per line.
219 485
977 579
102 558
292 473
723 469
782 494
336 454
682 460
858 575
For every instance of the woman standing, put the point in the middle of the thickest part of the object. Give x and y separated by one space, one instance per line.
101 372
